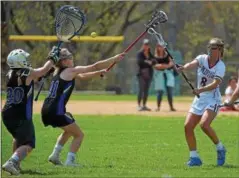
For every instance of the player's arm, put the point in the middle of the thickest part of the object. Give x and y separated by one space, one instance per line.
90 75
191 65
39 72
51 60
46 75
97 66
210 86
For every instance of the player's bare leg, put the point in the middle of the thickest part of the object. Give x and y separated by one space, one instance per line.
55 156
205 124
14 147
191 122
20 153
78 136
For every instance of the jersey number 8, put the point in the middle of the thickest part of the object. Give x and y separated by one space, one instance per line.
203 81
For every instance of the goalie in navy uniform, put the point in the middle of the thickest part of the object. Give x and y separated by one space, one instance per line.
17 111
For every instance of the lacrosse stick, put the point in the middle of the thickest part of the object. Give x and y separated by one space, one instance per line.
161 41
157 18
225 104
69 21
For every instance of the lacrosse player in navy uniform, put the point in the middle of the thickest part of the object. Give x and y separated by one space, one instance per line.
17 111
210 73
54 107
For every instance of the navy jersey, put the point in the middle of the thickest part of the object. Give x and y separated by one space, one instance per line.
59 94
19 99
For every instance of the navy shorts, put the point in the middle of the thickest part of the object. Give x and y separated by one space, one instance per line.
23 131
57 120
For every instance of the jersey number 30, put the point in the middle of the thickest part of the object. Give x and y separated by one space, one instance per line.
14 95
203 81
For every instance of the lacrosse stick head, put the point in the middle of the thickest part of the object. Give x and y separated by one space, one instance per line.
69 21
157 18
158 37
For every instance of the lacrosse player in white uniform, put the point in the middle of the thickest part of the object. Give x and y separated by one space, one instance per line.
210 73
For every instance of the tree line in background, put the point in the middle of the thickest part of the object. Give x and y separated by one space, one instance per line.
190 26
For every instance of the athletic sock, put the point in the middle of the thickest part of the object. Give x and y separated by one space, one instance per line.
219 146
15 157
194 154
57 149
70 157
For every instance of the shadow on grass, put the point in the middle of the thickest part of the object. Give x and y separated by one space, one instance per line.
230 166
213 166
33 172
97 166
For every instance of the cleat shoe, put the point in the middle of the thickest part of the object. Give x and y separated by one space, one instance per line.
72 164
145 108
194 161
54 160
221 156
10 166
140 108
18 167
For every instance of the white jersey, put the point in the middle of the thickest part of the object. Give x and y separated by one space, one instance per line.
206 75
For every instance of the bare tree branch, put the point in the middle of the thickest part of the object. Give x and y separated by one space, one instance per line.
123 27
146 14
128 23
18 30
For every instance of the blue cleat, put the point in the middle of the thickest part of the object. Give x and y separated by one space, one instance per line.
194 161
221 156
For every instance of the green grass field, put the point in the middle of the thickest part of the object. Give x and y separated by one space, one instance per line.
131 146
95 97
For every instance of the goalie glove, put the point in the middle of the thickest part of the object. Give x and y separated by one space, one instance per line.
54 54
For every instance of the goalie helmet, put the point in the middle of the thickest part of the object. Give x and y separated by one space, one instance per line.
18 58
216 43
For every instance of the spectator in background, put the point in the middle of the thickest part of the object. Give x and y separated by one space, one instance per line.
235 94
164 76
232 85
145 74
